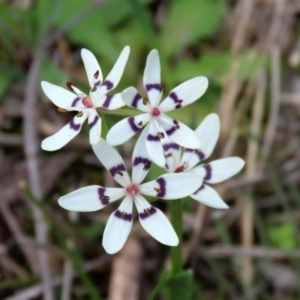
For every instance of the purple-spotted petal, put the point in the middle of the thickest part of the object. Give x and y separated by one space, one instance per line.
219 170
112 161
155 222
152 78
126 128
172 186
64 135
92 68
179 133
133 99
208 196
118 227
185 94
110 102
90 198
172 153
62 97
94 122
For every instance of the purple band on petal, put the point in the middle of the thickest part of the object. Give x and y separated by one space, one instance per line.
75 101
142 160
148 212
170 146
178 102
208 170
95 121
104 199
173 129
114 170
162 187
124 216
154 138
200 154
136 99
97 83
132 124
74 126
200 189
109 85
107 101
151 86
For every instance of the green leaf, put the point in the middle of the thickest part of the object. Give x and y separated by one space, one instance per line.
52 73
4 84
283 236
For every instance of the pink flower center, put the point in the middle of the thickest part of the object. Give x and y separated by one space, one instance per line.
87 102
132 189
155 112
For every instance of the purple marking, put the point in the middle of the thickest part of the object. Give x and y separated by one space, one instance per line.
208 170
150 211
113 171
154 138
75 101
136 99
74 126
92 124
175 98
124 216
170 146
151 86
132 124
162 187
107 101
200 189
173 129
109 85
97 83
104 199
200 154
142 160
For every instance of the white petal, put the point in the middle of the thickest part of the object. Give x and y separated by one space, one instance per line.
112 102
172 186
113 78
95 127
208 132
184 94
219 170
126 128
112 161
64 135
152 78
141 161
133 99
172 153
154 145
209 197
179 133
90 198
91 67
118 227
62 97
155 222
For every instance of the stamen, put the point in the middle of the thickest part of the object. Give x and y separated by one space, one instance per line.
147 211
96 75
80 113
132 189
163 88
155 112
157 190
179 169
94 89
119 173
87 102
145 101
146 167
123 215
70 85
160 135
169 154
61 110
105 198
141 124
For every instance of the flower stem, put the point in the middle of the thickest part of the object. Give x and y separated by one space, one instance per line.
176 220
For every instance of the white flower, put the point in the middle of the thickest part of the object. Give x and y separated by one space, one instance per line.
159 124
85 105
168 186
213 172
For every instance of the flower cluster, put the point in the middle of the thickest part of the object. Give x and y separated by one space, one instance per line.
160 141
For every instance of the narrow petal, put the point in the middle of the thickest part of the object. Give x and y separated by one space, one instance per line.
64 135
185 94
154 144
118 227
133 99
155 222
62 97
172 186
112 161
220 170
179 133
95 127
172 153
208 132
209 197
90 198
141 161
113 78
92 68
126 128
152 78
110 102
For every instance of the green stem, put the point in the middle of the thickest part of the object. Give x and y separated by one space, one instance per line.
176 220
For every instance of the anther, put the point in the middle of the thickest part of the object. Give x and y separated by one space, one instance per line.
123 214
80 113
96 75
145 101
169 154
94 89
70 85
119 173
141 124
163 88
157 190
146 167
180 169
147 211
105 198
61 110
160 135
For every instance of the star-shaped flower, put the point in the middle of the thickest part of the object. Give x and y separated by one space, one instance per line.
159 124
85 105
95 197
213 172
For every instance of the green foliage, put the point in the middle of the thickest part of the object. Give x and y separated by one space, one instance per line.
4 84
